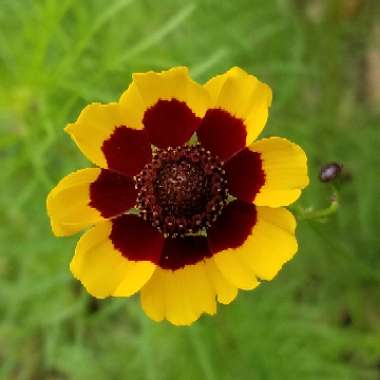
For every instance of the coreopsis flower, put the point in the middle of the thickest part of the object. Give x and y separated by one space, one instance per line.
184 205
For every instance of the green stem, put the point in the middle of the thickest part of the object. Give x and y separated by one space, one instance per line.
322 213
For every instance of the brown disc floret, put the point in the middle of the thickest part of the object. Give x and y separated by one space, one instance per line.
182 191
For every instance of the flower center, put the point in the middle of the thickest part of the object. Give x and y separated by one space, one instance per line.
182 191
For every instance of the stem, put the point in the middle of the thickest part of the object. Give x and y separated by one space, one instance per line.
322 213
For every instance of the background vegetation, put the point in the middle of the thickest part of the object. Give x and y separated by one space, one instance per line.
320 318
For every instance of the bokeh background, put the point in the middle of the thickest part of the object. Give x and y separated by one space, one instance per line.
320 318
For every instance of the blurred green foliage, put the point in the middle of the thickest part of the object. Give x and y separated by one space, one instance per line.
320 318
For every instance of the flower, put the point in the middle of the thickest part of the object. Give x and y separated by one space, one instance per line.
186 205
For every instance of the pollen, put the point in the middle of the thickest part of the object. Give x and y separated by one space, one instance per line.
182 191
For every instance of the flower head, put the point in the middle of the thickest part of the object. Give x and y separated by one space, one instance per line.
184 204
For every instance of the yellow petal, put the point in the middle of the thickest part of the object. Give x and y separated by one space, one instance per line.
271 243
243 96
102 270
285 167
136 275
94 125
179 296
175 83
134 106
233 268
225 291
68 203
88 196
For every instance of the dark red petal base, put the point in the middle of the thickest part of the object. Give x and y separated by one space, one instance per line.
233 227
112 193
127 150
179 252
170 123
222 134
245 175
137 240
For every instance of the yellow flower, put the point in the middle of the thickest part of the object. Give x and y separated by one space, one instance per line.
208 196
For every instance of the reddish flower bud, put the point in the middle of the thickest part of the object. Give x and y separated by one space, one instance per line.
330 172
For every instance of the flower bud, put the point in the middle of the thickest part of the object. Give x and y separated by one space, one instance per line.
330 172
